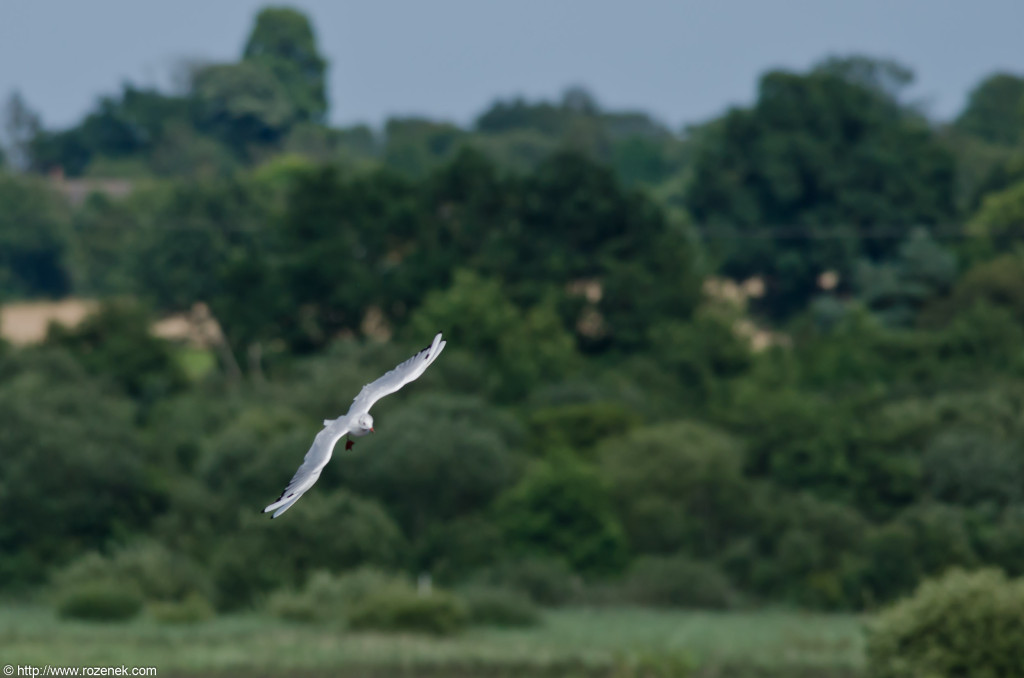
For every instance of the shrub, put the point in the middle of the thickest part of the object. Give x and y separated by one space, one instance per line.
151 569
678 486
923 541
251 561
438 459
563 509
973 467
326 596
454 549
499 607
353 587
545 581
962 624
99 602
678 582
193 609
401 608
579 425
295 606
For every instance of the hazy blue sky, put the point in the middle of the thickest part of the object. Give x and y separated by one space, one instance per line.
682 61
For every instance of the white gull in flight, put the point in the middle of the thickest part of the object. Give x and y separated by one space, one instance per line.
357 423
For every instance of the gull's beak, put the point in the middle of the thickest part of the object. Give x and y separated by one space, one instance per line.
371 430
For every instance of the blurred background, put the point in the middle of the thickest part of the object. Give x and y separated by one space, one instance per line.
734 298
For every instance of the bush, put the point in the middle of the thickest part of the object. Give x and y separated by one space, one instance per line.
193 609
962 624
924 541
973 467
152 570
499 607
678 582
251 561
99 602
678 486
295 606
563 509
545 581
326 596
401 608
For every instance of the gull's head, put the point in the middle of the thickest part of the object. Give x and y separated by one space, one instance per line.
364 424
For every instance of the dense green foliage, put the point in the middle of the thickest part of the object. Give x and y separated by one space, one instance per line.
499 607
99 602
820 159
962 624
403 609
740 365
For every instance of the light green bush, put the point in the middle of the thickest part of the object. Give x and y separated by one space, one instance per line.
401 608
962 624
154 571
327 596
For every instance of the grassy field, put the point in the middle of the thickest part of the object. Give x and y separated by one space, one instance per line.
578 642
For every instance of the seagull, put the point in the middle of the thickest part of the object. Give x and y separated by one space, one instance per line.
357 422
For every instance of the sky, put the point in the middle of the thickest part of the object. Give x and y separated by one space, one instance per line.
683 61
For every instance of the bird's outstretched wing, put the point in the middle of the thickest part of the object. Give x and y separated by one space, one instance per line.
317 457
410 370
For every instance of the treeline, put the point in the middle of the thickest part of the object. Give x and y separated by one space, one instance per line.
776 358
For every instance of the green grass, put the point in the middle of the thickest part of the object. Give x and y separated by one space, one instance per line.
569 642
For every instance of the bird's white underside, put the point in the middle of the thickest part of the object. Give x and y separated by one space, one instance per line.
334 429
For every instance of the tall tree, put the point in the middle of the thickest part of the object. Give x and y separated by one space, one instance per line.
20 126
282 41
995 110
820 158
243 104
33 239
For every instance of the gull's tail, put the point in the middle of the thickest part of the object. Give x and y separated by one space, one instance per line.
283 504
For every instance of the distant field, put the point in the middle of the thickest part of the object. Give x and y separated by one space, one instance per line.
570 643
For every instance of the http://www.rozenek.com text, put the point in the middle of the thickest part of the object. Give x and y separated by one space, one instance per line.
48 670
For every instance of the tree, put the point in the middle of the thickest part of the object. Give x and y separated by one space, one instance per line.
104 230
995 110
33 239
341 248
116 343
575 225
999 222
885 77
126 127
820 157
436 460
282 41
244 104
678 487
21 125
562 509
897 289
77 472
415 145
521 347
